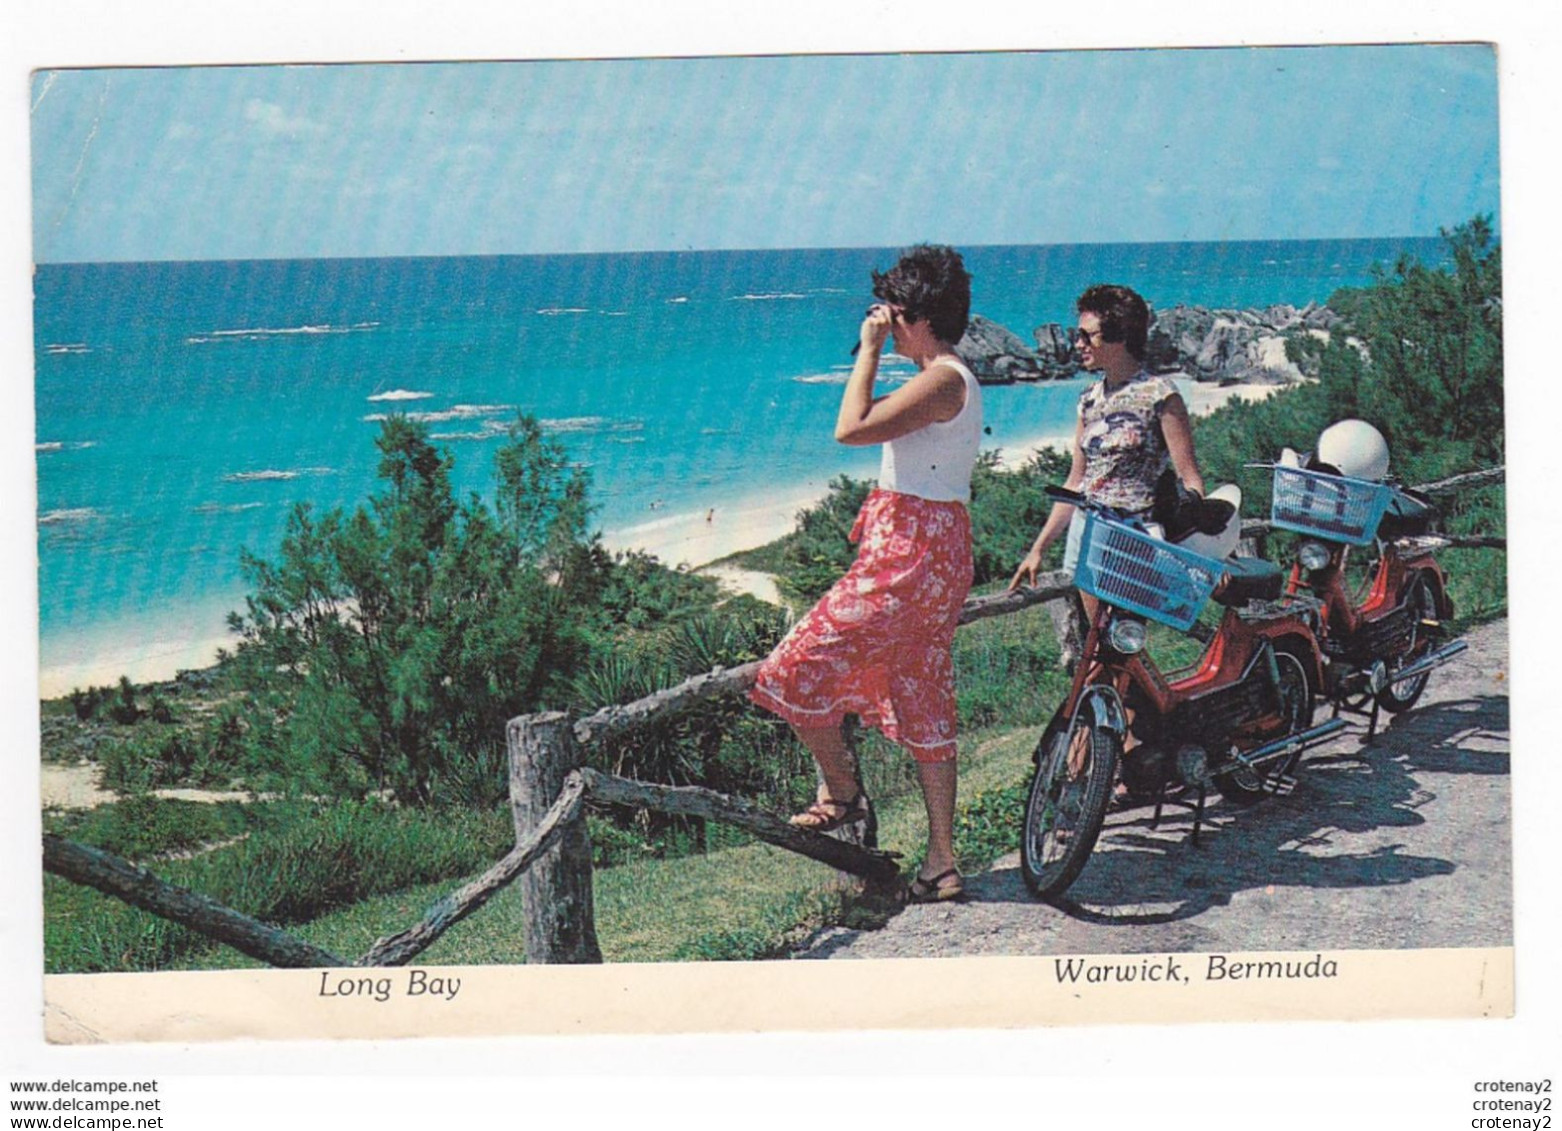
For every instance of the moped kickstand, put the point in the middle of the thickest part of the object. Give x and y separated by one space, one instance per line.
1197 807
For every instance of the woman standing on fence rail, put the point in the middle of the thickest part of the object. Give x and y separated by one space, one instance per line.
877 645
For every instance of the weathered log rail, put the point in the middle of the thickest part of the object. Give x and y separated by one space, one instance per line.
549 787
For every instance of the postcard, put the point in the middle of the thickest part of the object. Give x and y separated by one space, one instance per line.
414 441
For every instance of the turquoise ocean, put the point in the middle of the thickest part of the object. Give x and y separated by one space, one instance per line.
183 408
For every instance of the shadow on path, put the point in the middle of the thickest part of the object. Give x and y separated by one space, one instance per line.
1142 876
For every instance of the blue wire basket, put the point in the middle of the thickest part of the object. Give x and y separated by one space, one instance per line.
1127 568
1335 507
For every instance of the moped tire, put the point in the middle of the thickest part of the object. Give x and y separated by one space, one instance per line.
1245 787
1064 811
1402 696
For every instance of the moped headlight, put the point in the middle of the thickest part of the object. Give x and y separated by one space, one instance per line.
1313 555
1126 636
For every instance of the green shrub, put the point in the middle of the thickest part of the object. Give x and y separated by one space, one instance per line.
144 826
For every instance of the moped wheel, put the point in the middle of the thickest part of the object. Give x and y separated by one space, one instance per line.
1401 696
1244 786
1066 806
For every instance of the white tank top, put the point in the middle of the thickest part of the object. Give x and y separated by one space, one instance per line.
935 462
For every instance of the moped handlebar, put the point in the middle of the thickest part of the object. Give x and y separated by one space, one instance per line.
1076 499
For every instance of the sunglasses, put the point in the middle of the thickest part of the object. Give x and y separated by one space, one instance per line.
1086 337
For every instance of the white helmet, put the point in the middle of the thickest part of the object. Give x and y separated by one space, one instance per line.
1223 543
1354 447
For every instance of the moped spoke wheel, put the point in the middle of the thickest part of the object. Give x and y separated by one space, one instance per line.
1067 803
1402 695
1245 786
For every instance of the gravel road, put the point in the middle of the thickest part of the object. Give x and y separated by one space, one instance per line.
1403 843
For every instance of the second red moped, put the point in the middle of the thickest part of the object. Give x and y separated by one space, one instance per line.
1237 720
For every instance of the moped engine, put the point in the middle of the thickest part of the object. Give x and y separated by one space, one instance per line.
1146 767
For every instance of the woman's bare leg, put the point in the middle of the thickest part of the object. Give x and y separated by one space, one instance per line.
938 794
836 765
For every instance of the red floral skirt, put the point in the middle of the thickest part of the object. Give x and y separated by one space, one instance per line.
877 644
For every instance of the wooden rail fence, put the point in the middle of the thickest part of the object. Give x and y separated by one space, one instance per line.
549 786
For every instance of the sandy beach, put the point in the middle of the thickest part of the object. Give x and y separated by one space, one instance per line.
689 540
700 537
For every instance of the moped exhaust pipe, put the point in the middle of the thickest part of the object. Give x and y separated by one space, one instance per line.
1431 660
1291 743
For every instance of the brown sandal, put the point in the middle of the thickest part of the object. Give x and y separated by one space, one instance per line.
934 889
825 816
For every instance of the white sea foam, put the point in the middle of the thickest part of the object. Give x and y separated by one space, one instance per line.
574 424
489 430
67 347
591 424
68 514
225 508
835 377
400 395
768 296
64 445
273 474
440 416
552 311
680 298
253 333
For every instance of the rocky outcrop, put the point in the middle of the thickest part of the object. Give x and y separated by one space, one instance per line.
1227 346
997 354
1233 346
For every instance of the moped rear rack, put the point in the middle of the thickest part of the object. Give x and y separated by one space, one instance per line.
1303 605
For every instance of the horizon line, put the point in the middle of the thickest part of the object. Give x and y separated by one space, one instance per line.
729 250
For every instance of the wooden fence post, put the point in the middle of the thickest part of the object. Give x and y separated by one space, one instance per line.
556 888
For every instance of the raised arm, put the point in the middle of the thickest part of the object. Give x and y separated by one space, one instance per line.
936 394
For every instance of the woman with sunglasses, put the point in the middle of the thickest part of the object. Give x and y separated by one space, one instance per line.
1130 428
877 645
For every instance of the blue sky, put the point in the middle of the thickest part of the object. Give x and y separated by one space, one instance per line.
479 158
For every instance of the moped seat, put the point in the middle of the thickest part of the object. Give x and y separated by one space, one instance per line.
1406 517
1250 579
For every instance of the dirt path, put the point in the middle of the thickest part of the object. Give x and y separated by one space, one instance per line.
76 787
1402 843
735 579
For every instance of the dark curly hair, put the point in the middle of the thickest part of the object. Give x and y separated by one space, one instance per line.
1125 317
930 282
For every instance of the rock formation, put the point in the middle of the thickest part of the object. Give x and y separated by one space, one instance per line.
997 354
1232 346
1228 346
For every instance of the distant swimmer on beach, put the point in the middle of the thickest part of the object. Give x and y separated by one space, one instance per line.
710 514
877 645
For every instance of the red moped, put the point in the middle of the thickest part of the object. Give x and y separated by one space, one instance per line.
1236 720
1380 642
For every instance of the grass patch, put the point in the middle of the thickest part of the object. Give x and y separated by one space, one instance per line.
146 826
740 903
316 862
